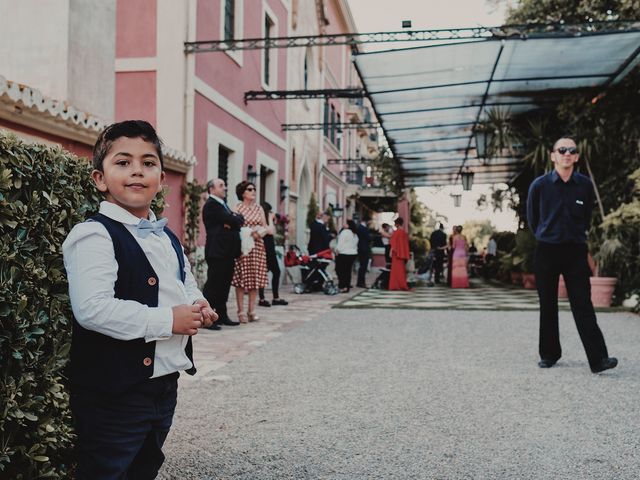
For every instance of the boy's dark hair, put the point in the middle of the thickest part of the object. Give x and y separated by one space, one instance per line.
241 187
399 221
353 226
129 129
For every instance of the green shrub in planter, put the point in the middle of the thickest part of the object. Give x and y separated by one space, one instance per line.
44 192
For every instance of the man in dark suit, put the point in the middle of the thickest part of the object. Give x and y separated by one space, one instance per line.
364 252
221 249
438 242
319 235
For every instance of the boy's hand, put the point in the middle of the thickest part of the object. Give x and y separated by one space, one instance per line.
209 315
187 319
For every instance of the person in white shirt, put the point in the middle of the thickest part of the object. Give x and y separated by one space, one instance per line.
135 305
346 253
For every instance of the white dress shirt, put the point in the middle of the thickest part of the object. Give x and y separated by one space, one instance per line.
89 259
347 243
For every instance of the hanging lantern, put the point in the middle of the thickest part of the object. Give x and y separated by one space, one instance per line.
467 179
457 199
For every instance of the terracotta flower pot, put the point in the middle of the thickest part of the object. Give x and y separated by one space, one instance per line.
602 290
562 288
529 281
516 278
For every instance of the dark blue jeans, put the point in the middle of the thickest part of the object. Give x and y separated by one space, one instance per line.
120 437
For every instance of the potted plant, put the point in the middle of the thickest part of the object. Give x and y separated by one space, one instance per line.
510 268
603 281
524 252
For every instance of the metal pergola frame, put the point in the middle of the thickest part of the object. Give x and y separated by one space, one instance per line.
297 127
433 35
459 36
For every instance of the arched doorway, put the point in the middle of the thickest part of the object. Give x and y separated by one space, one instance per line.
304 194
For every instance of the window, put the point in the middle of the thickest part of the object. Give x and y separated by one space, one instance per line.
305 73
268 33
338 132
333 125
229 19
223 163
326 118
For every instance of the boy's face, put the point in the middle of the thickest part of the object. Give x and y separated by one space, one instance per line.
132 175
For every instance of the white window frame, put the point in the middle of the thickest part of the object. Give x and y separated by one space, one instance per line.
215 138
273 64
238 19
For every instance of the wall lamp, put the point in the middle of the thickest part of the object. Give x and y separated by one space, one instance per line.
283 190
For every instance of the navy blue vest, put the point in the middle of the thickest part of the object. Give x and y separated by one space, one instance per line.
104 363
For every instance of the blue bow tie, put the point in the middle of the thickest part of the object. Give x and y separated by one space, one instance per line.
145 227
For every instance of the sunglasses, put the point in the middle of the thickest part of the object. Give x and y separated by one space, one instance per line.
250 189
570 150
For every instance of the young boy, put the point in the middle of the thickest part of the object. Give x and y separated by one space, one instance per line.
136 305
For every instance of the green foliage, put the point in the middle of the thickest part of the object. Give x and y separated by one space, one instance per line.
573 11
619 251
478 232
44 192
524 250
192 193
388 172
312 210
422 223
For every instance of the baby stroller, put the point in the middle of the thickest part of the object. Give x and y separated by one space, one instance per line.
314 275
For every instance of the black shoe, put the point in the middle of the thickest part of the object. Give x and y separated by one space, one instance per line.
264 303
605 364
228 322
279 301
546 363
215 326
361 285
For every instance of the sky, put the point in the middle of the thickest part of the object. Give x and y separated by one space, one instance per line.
387 15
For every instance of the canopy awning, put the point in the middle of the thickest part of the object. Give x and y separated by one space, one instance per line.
429 99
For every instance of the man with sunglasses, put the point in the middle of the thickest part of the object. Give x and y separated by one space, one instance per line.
559 208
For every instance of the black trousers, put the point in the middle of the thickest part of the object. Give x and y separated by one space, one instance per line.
216 289
363 260
570 260
344 264
438 264
272 266
121 436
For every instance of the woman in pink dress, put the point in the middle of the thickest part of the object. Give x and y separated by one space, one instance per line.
459 275
250 272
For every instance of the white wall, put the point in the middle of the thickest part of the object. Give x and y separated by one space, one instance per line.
92 50
64 48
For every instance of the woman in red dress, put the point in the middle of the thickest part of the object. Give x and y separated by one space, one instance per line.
399 256
250 272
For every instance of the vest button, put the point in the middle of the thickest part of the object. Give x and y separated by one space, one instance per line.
147 361
152 281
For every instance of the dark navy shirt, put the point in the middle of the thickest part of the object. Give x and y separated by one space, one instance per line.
558 211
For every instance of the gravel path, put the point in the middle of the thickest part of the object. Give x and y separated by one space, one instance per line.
378 394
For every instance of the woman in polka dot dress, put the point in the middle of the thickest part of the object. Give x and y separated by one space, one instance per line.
250 272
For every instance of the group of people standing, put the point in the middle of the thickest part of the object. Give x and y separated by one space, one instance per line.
456 248
352 242
240 252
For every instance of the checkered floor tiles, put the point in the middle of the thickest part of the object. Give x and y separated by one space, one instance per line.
481 296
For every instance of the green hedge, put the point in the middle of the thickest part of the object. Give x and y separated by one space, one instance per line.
44 191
